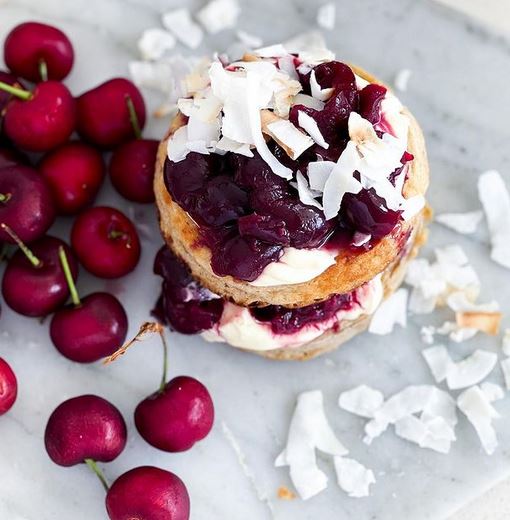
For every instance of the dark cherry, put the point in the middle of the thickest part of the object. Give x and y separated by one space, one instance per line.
106 242
36 51
104 117
74 172
91 328
85 428
148 493
184 304
132 169
35 285
8 387
41 120
370 99
177 416
26 203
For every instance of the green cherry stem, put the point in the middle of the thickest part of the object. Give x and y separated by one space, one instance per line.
69 277
4 197
43 70
165 360
16 91
31 257
133 118
91 463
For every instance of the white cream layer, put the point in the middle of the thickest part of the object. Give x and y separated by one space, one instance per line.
239 328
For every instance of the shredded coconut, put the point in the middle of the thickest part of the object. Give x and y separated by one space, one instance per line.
393 310
180 24
326 16
464 223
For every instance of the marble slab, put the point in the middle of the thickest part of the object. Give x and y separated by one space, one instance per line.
459 93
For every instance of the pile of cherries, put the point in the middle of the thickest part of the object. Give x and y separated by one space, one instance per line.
45 173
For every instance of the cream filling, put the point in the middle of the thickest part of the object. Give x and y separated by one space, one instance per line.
239 328
295 266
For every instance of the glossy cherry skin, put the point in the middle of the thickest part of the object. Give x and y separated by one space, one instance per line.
10 79
27 206
74 172
148 493
90 331
85 427
30 43
106 242
132 169
44 121
38 291
8 387
103 115
173 420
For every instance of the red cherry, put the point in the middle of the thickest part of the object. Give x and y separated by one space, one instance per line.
132 169
8 387
74 173
176 417
34 283
40 120
37 51
148 493
104 117
26 203
85 428
106 242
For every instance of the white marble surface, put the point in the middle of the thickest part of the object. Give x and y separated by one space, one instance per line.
458 88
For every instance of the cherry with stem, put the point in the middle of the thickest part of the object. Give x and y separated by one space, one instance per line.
90 328
133 163
180 413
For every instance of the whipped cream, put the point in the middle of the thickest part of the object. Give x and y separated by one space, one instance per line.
296 266
239 328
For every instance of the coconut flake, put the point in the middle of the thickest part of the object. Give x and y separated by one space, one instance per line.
306 195
180 24
393 310
309 430
326 16
439 361
228 145
488 322
492 391
290 138
218 15
177 147
402 79
272 51
505 344
317 91
464 223
495 200
318 173
309 125
154 43
362 400
354 478
505 367
341 181
471 370
475 405
428 399
251 41
412 206
434 433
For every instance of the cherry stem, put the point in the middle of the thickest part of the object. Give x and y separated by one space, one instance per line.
116 234
43 69
69 277
165 360
91 463
4 197
133 117
31 257
16 91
